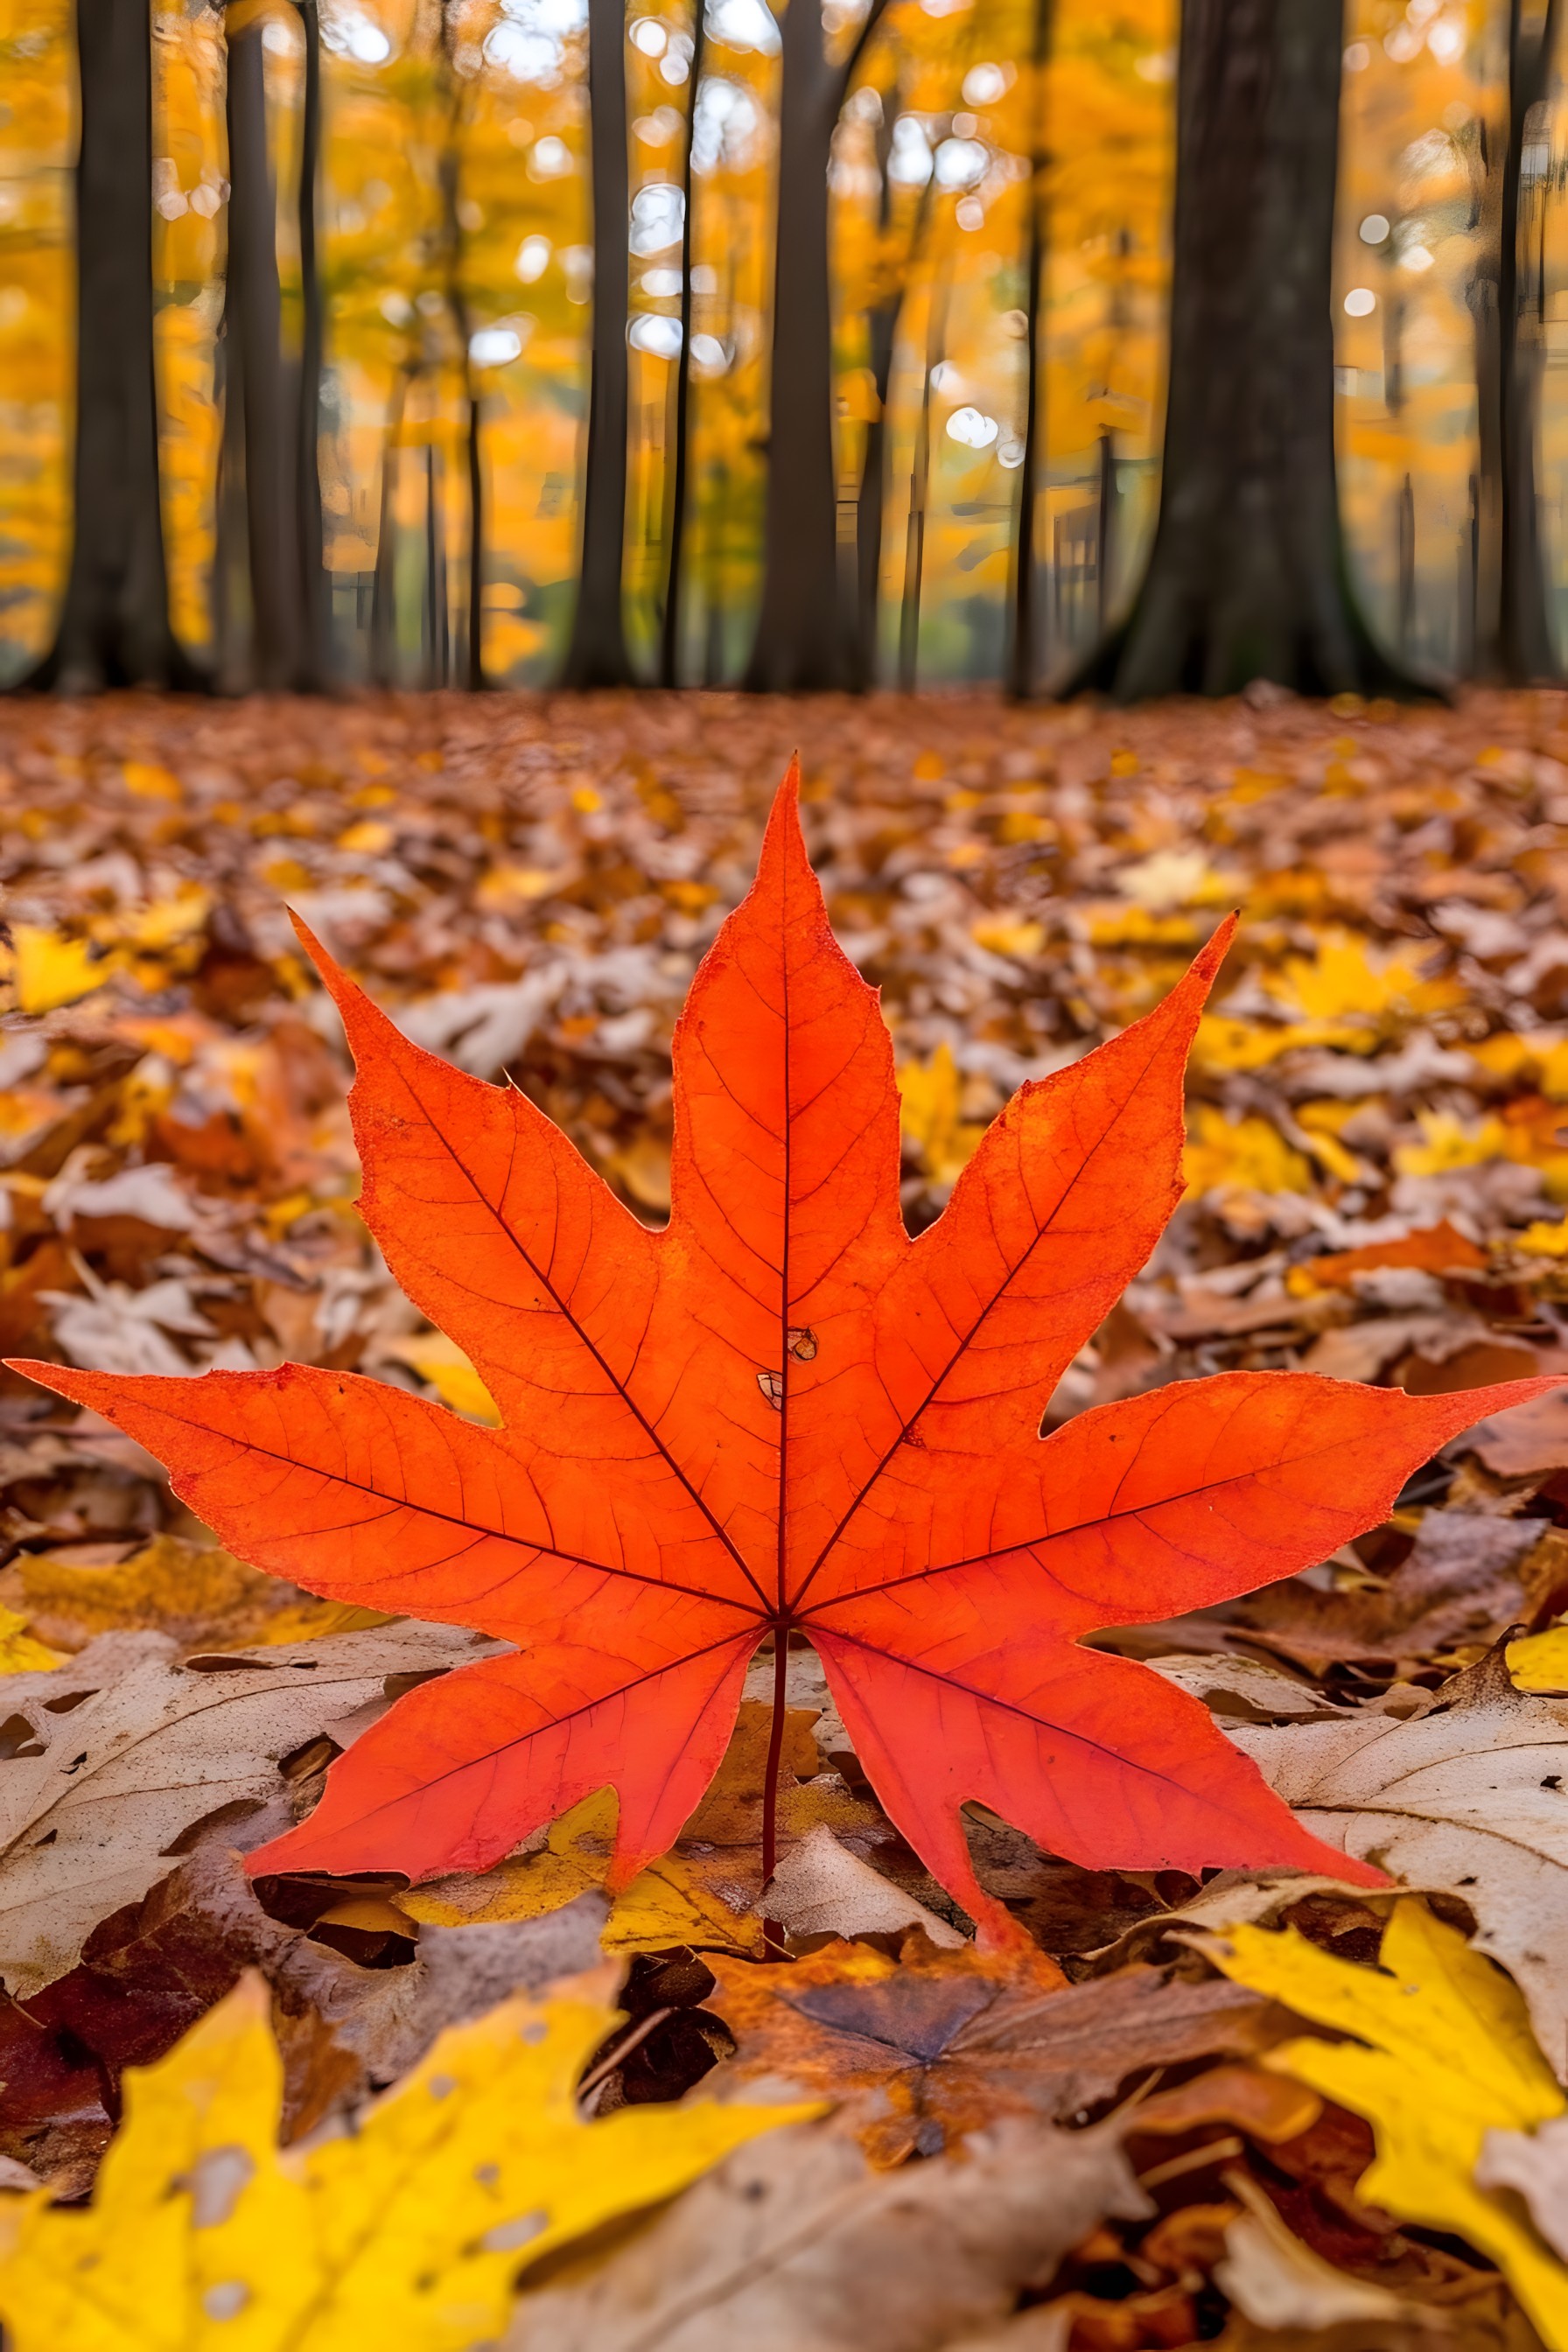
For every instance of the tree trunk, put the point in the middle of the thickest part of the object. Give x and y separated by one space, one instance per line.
315 606
597 655
113 628
1513 633
260 441
669 643
1247 578
803 644
462 327
1024 651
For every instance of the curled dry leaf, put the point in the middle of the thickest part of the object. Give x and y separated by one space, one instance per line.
823 1889
111 1762
941 2043
797 2242
411 2231
783 1415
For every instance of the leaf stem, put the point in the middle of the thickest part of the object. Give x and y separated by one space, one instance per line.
772 1934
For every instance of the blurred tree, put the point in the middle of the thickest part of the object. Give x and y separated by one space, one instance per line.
596 654
449 173
1513 636
681 430
269 523
1024 647
802 644
114 626
315 651
1247 578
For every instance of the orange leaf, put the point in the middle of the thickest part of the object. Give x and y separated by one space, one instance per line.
783 1415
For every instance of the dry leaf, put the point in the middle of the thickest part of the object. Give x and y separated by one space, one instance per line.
409 2232
1443 2054
114 1759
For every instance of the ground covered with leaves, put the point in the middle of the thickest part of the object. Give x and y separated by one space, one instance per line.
1177 2148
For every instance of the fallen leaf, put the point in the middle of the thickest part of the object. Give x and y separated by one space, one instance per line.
199 1594
114 1758
796 2242
1275 2280
820 1888
21 1652
700 1893
1467 1794
888 1390
413 2230
1443 2054
1536 2164
939 2043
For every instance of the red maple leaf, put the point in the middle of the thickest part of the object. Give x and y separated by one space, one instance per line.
780 1416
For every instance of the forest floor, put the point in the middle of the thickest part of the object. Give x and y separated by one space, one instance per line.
1377 1165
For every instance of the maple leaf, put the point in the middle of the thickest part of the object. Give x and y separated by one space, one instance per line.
1443 2057
410 2230
783 1416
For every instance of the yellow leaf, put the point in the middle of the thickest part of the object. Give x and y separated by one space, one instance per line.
146 780
668 1904
442 1362
1344 979
1246 1153
930 1100
366 839
508 885
1540 1662
1544 1238
699 1895
1009 935
20 1651
1224 1043
1443 2054
167 922
51 969
1451 1142
409 2233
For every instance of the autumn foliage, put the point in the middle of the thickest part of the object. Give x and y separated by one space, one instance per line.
784 1417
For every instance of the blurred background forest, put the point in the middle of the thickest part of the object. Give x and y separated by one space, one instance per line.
398 406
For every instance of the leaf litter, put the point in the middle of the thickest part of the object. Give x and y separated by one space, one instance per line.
1375 1171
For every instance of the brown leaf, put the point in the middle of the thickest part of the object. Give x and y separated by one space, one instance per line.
939 2044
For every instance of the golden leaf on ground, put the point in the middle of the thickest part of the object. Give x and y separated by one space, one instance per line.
20 1651
701 1893
50 970
409 2233
1443 2054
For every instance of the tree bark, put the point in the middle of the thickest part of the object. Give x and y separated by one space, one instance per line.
462 327
669 635
596 654
1024 651
260 438
114 628
1248 577
803 644
1513 633
315 608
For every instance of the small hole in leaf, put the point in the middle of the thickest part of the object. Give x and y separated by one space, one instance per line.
227 2300
443 2086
